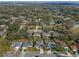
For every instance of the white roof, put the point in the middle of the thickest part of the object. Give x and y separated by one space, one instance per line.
75 26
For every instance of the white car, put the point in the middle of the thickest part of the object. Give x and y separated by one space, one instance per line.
63 55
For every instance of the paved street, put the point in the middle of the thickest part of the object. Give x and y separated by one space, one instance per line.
30 54
33 54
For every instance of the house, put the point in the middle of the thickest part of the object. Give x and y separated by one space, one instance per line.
74 48
13 19
24 40
3 30
27 44
49 51
21 17
39 44
41 51
16 45
22 43
46 34
51 45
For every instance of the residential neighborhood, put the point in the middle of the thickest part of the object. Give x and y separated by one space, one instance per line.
48 29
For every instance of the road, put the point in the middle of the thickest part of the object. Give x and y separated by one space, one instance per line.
29 54
33 54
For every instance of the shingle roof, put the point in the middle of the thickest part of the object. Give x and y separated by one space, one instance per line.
39 43
26 44
14 44
24 40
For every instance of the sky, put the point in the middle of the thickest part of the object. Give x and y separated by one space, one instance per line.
76 1
39 0
67 1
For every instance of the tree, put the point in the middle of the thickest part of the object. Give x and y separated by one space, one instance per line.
4 46
34 42
1 45
43 39
51 36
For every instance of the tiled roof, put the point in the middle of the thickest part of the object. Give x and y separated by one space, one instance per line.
24 40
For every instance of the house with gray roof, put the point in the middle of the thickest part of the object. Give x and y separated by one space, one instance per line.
24 44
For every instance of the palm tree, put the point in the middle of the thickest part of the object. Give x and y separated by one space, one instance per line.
43 39
33 40
51 37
